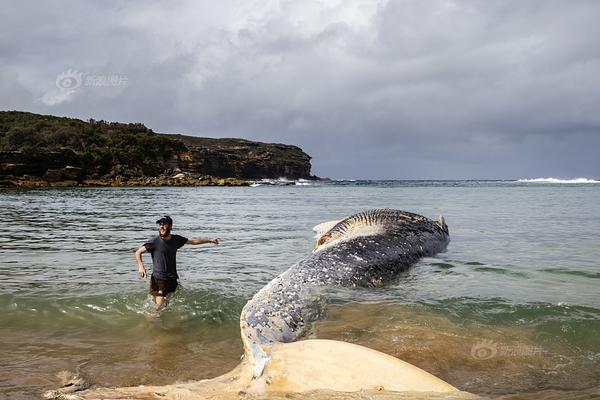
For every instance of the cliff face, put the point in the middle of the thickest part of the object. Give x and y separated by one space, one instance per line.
57 148
18 163
241 158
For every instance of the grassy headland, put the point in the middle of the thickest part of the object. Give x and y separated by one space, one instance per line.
38 150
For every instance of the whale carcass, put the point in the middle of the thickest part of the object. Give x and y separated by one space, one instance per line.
365 250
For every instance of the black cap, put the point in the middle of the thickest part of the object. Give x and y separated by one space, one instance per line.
165 218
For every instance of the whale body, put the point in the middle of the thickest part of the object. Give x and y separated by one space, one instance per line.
367 249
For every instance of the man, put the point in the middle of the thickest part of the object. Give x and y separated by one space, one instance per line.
163 249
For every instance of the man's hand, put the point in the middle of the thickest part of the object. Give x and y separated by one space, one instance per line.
138 259
215 240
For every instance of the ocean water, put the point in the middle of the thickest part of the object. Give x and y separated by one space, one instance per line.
510 310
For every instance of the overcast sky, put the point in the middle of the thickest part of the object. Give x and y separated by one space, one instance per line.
370 89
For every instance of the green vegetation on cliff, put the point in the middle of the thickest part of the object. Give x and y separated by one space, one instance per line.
96 146
32 144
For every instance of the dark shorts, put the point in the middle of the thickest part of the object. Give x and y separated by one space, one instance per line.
162 287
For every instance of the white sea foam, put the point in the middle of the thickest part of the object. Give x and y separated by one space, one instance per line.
555 180
304 182
281 182
271 182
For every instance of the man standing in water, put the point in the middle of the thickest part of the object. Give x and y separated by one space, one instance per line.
163 249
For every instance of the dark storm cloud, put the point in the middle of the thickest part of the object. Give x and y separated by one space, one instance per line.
391 89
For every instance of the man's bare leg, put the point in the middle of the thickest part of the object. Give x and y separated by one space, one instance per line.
160 302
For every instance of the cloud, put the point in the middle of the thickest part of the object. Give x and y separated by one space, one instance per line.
371 89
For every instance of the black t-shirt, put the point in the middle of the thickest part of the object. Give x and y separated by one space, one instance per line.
164 262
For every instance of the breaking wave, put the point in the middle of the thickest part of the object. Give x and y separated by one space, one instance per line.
281 182
555 180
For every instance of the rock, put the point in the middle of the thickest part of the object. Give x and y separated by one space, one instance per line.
180 175
20 163
242 159
12 169
53 175
72 173
125 171
8 183
63 183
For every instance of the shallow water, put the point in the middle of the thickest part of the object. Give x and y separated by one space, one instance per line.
511 309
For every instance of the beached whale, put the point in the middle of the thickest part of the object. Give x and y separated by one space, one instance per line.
367 250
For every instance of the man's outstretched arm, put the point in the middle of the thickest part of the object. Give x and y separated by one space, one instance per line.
140 263
202 240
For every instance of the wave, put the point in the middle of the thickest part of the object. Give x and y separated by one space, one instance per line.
281 182
272 182
555 180
192 306
564 271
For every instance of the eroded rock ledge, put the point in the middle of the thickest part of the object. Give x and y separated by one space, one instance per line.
34 182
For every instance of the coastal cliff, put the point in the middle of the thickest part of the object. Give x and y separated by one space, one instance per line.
44 150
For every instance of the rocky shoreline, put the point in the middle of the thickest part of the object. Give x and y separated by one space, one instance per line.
58 179
36 182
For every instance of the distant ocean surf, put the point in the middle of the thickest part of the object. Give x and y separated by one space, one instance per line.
556 180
